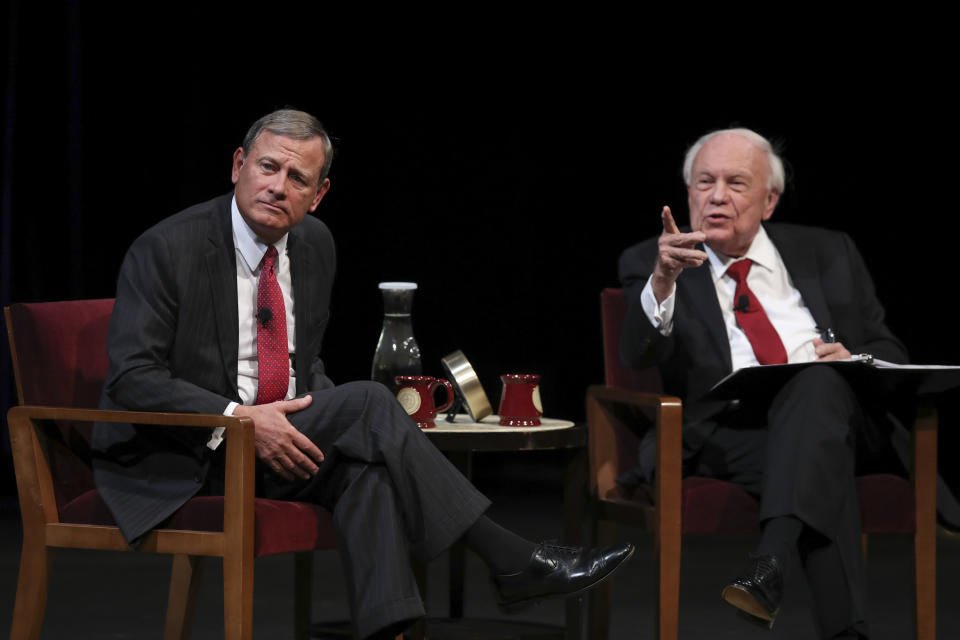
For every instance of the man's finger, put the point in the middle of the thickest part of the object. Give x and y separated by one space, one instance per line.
305 444
830 350
685 256
669 226
302 465
282 466
300 448
294 405
685 240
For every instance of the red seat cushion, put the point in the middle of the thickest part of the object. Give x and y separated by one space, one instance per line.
715 506
708 505
887 504
280 526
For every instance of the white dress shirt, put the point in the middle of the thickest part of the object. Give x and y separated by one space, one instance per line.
250 251
770 283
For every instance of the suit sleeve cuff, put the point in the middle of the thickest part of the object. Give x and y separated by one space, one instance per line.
217 436
660 315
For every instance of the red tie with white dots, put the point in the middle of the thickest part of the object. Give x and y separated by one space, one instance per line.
273 360
751 317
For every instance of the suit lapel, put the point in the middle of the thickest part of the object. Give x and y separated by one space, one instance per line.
301 266
700 295
801 263
222 271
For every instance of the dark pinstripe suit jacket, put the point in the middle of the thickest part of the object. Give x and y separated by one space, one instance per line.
173 346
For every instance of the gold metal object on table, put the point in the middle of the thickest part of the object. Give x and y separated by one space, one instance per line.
465 380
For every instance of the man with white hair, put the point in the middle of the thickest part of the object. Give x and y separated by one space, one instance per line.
732 291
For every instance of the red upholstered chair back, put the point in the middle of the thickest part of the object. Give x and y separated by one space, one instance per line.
61 356
613 308
60 359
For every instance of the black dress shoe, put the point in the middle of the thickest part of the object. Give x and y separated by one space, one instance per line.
554 570
949 528
758 592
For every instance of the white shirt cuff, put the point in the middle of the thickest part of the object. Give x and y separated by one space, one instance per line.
660 315
217 436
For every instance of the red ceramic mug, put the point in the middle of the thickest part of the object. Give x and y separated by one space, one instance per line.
416 398
520 401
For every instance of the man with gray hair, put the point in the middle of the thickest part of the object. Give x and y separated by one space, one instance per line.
732 291
222 308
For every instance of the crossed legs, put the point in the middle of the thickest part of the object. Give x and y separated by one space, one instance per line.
392 493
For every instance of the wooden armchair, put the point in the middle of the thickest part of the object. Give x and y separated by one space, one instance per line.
60 362
618 414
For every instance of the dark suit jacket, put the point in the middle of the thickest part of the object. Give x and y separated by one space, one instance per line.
825 267
173 345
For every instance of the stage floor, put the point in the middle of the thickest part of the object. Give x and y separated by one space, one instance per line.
106 595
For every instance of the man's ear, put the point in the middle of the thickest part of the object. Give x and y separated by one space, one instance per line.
321 191
237 163
773 196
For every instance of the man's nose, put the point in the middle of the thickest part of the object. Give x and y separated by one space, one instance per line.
719 193
278 185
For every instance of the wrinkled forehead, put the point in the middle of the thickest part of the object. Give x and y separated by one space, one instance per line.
308 154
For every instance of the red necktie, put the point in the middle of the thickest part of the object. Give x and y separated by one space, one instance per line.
751 317
273 360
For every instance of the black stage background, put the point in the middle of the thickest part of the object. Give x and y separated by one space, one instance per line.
503 171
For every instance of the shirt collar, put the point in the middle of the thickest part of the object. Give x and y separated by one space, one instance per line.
761 252
250 246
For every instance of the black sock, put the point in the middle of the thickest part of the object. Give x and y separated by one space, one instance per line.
780 536
502 550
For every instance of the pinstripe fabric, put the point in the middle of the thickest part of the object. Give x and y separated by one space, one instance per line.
391 492
173 347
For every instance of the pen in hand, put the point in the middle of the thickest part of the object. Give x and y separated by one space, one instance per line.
835 351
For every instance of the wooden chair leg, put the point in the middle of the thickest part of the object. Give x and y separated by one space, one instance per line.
238 596
182 598
668 587
302 598
925 537
668 530
31 601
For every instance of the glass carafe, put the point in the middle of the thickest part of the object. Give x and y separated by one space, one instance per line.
397 352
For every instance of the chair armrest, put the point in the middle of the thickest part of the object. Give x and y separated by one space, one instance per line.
666 414
35 483
155 418
629 397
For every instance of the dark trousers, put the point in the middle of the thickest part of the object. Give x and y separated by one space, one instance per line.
391 492
798 455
